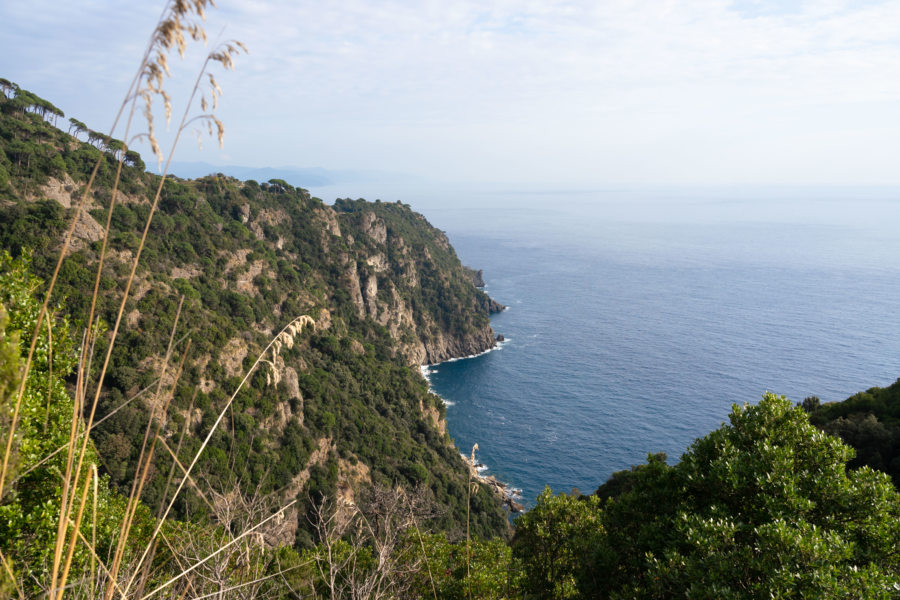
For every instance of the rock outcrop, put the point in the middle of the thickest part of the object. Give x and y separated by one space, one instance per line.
403 273
475 276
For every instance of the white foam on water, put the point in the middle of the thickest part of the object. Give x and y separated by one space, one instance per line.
444 400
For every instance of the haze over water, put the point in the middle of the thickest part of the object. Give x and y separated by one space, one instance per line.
637 319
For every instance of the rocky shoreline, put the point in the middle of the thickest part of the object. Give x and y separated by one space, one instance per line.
507 494
440 349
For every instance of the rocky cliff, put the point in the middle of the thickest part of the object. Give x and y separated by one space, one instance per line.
403 274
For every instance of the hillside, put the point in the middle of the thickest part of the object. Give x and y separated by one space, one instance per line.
341 408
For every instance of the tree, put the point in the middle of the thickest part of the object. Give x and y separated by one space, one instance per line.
8 87
134 159
116 147
870 423
77 127
762 506
552 540
96 138
621 482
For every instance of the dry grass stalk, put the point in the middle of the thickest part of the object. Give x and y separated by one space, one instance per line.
50 374
415 523
176 24
146 464
175 462
285 339
9 571
94 528
471 488
77 525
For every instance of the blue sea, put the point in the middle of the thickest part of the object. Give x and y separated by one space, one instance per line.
637 318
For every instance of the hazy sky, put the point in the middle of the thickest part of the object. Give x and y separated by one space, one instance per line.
573 92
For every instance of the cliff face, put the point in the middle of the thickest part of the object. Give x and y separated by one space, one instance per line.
335 411
403 274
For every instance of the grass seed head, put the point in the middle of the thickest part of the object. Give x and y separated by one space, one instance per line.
285 338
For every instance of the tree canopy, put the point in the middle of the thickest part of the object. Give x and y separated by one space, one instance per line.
762 507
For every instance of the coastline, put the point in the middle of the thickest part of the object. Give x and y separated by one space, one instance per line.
509 495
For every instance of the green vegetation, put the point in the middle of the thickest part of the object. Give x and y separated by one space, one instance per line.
44 474
869 422
763 507
30 511
184 401
261 429
334 410
248 257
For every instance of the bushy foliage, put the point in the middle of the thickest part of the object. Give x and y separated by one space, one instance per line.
479 569
552 541
30 507
762 507
869 422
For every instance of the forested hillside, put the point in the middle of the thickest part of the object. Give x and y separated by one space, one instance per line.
869 422
341 408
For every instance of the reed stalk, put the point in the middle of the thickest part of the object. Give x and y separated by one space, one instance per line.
174 26
415 523
471 487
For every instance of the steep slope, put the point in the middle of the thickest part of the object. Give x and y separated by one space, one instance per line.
337 409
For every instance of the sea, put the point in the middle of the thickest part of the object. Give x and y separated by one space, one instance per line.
636 319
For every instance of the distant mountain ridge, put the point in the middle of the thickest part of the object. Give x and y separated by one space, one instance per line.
304 177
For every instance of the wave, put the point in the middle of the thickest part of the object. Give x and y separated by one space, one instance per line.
446 402
496 346
427 371
480 467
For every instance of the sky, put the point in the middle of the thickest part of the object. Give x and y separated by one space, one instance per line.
578 93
